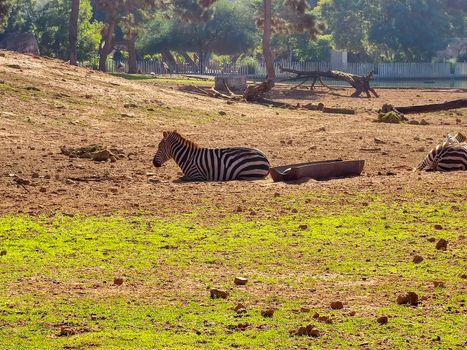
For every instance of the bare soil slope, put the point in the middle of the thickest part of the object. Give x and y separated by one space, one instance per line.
46 104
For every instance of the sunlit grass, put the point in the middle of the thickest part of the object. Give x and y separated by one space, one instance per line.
58 272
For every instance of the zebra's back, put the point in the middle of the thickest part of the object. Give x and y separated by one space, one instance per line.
446 157
236 163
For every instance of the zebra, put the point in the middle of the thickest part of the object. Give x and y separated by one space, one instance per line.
211 164
449 156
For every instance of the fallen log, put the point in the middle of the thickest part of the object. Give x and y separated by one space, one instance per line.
358 82
338 110
435 107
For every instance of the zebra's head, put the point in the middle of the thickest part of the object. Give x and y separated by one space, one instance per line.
164 151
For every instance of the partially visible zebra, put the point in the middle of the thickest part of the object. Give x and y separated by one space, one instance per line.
448 156
206 164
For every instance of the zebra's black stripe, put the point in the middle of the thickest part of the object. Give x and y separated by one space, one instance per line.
448 156
205 164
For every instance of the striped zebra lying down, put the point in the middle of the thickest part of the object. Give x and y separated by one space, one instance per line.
448 156
206 164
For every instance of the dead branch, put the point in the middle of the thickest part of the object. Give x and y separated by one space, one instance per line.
359 83
435 107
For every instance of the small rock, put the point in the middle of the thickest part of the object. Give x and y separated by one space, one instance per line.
217 293
34 175
382 320
2 252
438 227
118 281
69 182
222 113
308 330
378 141
93 317
439 284
47 177
240 281
21 181
269 312
14 66
431 239
421 149
303 227
66 331
305 309
417 259
43 189
442 244
337 305
153 180
114 190
352 313
408 298
239 307
101 156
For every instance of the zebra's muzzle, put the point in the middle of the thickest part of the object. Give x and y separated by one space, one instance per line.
156 163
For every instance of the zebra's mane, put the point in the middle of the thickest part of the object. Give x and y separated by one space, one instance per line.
183 139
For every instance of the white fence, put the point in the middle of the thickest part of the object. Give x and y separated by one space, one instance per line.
460 70
258 69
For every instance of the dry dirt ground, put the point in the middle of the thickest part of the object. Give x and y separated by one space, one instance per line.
45 104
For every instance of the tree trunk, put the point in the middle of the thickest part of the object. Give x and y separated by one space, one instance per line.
132 64
73 31
187 58
107 44
268 59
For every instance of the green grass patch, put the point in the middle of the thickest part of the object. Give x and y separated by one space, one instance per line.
56 276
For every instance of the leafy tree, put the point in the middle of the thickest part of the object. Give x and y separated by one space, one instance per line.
230 30
414 28
305 49
52 30
22 17
4 8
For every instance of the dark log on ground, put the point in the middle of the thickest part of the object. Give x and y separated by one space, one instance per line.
435 107
338 110
358 82
253 93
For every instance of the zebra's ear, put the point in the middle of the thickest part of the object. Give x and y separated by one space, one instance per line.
165 134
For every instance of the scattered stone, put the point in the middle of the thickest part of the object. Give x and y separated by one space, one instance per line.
410 298
222 113
382 320
93 317
378 141
69 182
464 276
431 239
303 227
439 284
324 319
2 252
43 189
14 66
240 308
269 312
305 309
240 281
34 175
101 156
20 181
217 293
308 330
337 305
438 227
32 88
420 149
442 244
352 313
130 105
114 190
424 122
66 331
118 281
417 259
153 180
